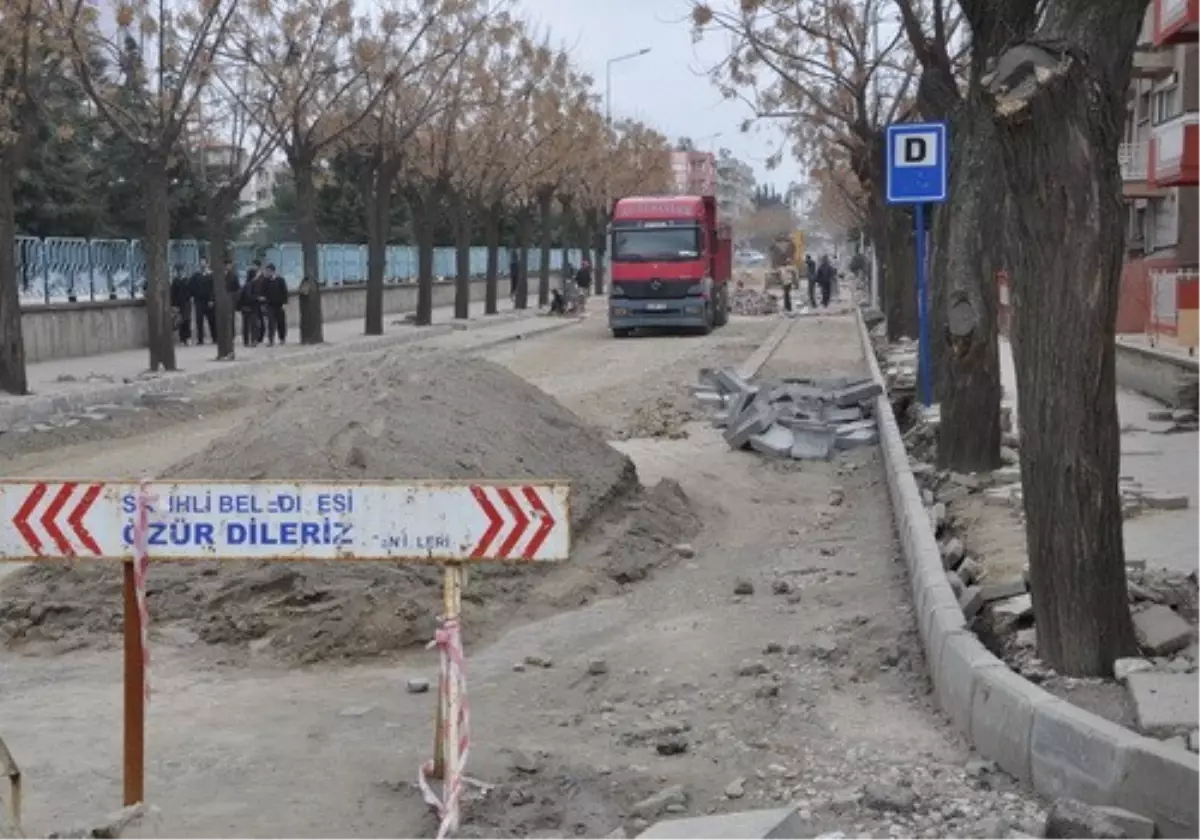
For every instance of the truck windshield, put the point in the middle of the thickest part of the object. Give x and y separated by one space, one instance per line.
653 244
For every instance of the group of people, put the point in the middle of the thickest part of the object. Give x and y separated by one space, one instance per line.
260 300
576 286
821 276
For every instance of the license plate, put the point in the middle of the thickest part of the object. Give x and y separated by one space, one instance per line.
656 307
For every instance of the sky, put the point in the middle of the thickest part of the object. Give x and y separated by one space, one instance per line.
666 88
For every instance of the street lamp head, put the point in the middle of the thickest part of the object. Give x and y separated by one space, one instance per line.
643 50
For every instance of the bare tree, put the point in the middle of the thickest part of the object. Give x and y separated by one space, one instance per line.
28 50
177 43
311 59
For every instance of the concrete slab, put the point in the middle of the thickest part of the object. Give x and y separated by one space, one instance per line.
857 393
834 414
999 590
813 441
731 382
1164 703
1135 826
1160 631
770 823
776 441
754 421
1076 754
863 437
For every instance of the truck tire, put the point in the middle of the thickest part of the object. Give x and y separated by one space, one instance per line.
622 332
722 315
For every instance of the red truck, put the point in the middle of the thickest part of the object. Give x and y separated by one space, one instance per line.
671 264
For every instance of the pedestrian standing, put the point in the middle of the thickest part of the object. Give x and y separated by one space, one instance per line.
583 281
231 289
204 302
248 306
810 271
825 278
181 300
275 294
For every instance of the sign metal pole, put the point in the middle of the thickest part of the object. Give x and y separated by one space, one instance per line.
924 363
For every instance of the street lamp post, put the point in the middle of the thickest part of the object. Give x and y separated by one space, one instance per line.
600 284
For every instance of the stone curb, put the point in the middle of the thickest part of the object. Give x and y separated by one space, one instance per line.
37 408
764 351
1058 748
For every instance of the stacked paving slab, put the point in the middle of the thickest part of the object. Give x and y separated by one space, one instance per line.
798 418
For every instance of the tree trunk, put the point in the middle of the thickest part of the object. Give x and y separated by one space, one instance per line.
378 200
524 234
13 377
154 245
312 330
545 204
492 240
601 247
1059 131
964 329
220 209
422 222
900 291
462 259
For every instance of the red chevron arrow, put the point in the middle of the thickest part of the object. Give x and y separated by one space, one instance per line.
521 522
52 512
80 511
21 520
495 522
547 523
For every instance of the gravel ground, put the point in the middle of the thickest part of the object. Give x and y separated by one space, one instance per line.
775 660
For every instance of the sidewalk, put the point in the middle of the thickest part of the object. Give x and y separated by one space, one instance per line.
1166 345
1161 463
65 385
66 374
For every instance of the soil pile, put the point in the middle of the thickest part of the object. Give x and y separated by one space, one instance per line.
387 416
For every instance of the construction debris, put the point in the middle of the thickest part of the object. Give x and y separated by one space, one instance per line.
753 302
803 419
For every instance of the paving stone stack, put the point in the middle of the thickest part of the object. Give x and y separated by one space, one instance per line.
798 418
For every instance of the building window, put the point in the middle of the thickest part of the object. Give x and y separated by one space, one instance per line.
1166 104
1163 232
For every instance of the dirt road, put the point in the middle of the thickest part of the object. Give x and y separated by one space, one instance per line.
669 695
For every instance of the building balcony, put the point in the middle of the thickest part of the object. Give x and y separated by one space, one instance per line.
1149 62
1134 159
1174 159
1175 21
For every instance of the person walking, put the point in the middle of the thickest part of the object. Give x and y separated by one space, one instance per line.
181 303
275 295
810 271
825 278
249 307
204 302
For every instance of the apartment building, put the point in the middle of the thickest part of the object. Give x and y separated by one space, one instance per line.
693 173
735 188
1160 162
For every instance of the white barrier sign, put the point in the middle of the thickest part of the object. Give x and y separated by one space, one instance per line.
287 521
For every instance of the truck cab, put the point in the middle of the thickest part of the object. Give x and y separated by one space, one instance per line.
670 264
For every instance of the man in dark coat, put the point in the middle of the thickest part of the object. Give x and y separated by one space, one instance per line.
204 301
181 302
248 305
275 295
826 274
810 271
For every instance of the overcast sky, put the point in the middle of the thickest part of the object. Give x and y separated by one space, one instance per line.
667 87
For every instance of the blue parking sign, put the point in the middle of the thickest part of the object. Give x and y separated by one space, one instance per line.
916 159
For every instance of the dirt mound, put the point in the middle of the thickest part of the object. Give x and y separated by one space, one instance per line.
376 418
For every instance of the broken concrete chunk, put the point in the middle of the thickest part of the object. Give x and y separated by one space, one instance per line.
952 551
862 437
1124 668
1135 826
1165 501
1164 704
857 393
956 584
776 442
753 421
1070 818
1000 590
731 382
834 414
1161 632
812 441
970 602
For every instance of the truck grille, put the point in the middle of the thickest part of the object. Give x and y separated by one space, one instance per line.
643 289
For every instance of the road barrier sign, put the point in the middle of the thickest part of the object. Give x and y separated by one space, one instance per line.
917 161
454 524
429 522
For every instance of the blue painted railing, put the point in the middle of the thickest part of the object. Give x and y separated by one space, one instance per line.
61 269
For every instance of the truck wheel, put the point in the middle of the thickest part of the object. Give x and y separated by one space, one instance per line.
622 332
722 316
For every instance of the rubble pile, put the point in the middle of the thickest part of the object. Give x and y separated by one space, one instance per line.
798 418
753 302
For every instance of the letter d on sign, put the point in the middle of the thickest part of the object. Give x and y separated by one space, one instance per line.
914 150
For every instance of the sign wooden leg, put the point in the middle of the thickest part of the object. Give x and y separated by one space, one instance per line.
135 695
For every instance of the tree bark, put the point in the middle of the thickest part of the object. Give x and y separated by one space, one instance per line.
462 259
545 205
964 326
1059 130
13 376
312 330
900 292
220 209
422 222
492 240
524 234
154 246
379 220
